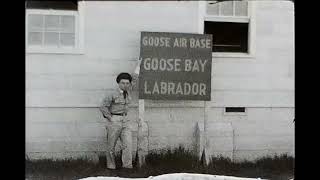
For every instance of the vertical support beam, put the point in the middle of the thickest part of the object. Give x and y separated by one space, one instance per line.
199 140
205 128
143 135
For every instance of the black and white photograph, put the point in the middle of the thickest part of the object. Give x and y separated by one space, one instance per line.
161 90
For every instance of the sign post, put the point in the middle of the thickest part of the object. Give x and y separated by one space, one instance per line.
143 133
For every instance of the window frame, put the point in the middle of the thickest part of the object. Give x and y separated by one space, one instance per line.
79 35
250 19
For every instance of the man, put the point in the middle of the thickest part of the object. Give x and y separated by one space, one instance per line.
115 109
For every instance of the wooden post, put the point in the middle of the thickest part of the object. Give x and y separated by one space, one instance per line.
205 129
199 140
143 129
143 135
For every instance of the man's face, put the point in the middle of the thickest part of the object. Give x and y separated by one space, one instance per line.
124 84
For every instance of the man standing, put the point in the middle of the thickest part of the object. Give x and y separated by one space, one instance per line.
115 109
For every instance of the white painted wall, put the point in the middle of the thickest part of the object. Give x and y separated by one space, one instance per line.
63 91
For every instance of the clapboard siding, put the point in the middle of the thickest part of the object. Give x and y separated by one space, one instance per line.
72 130
223 67
90 155
72 145
67 146
122 24
220 139
263 129
253 98
101 81
167 122
93 98
253 115
263 142
252 83
70 82
73 65
63 115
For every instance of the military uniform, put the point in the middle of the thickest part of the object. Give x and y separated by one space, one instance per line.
115 107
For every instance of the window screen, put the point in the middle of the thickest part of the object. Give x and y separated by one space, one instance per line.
227 8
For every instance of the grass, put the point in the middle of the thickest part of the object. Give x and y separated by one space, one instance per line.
163 162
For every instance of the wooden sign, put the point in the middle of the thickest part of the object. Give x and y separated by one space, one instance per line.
175 66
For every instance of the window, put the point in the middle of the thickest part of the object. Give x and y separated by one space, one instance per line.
53 27
231 24
228 36
51 30
235 111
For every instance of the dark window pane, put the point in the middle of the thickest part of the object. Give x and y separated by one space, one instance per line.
228 36
62 5
235 109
